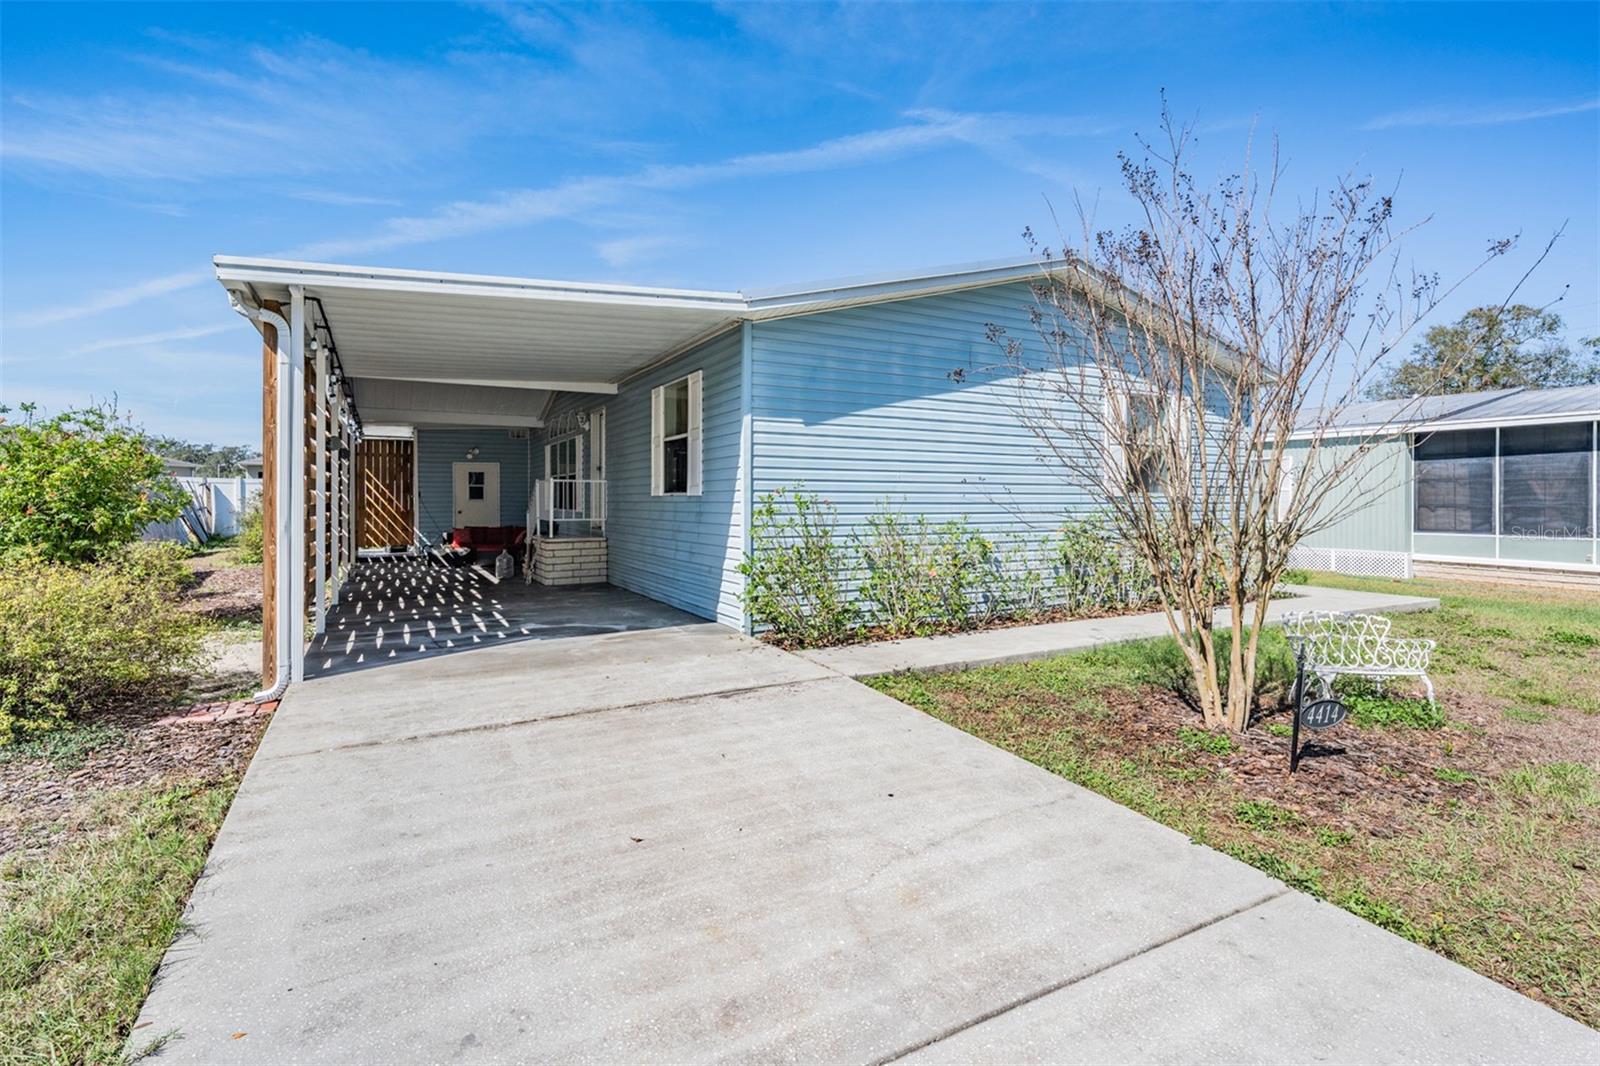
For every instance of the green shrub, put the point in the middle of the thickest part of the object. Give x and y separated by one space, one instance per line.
1097 572
159 563
74 639
247 544
921 578
76 485
1204 740
1371 708
1295 577
796 572
1015 584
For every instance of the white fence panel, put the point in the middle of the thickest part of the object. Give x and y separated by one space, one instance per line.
216 507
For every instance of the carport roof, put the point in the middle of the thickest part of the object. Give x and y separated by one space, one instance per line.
425 347
476 329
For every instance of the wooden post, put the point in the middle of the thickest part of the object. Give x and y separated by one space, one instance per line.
269 501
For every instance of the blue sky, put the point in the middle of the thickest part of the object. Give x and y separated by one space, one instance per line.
737 146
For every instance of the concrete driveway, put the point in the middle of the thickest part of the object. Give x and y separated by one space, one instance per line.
676 844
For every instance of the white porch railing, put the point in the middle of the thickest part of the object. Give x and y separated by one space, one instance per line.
560 504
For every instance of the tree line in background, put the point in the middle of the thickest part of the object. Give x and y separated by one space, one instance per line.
1492 348
213 460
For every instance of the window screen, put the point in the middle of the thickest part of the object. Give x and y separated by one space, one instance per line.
1455 482
1545 481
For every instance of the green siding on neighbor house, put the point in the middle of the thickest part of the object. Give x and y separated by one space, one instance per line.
438 449
1373 505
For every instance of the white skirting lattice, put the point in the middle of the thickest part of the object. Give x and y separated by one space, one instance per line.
1352 561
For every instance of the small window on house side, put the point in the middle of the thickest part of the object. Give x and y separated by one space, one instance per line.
675 438
1145 464
1137 462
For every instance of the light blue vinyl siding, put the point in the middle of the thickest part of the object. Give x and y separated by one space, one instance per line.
902 402
681 550
438 449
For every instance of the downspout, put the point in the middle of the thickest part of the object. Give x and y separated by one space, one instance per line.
297 532
261 317
321 552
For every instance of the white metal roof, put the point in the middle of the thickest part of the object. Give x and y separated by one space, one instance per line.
1466 410
483 332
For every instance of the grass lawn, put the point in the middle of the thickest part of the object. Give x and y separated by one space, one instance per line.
104 827
84 924
1475 831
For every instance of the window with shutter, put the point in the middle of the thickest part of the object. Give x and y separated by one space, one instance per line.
675 437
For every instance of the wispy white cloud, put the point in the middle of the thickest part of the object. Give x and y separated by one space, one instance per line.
342 199
1488 115
1003 136
306 107
927 130
626 251
147 339
112 299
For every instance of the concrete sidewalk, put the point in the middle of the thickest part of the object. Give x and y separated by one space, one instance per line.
962 651
679 845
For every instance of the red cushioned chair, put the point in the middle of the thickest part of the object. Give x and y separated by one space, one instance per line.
489 540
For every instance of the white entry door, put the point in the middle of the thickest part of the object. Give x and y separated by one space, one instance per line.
477 494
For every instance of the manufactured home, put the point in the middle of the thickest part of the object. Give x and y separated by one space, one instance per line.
613 434
1489 484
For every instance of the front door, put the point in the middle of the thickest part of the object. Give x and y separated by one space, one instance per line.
477 494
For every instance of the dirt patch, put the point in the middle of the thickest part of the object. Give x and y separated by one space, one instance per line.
224 591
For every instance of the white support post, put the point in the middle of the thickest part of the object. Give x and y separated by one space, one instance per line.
321 393
338 498
297 478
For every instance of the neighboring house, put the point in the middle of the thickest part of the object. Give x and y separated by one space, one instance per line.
1503 479
630 429
178 467
251 466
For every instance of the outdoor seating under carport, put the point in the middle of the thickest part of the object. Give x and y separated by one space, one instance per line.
353 354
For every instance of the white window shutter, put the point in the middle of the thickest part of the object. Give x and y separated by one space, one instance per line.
1183 424
694 433
1116 453
656 423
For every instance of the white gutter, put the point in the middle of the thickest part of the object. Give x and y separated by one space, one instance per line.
297 533
321 387
282 576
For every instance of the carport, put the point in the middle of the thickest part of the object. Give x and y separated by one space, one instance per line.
354 354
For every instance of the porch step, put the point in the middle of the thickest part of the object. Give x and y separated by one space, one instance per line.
569 560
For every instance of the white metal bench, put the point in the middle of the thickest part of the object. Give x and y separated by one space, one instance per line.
1331 643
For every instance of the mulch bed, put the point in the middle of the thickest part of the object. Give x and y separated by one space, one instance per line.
1373 781
223 592
42 800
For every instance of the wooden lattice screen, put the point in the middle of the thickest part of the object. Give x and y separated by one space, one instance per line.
385 508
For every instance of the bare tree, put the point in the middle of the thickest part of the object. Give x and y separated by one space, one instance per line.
1180 355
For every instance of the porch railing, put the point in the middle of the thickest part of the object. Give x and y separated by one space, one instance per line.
567 505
